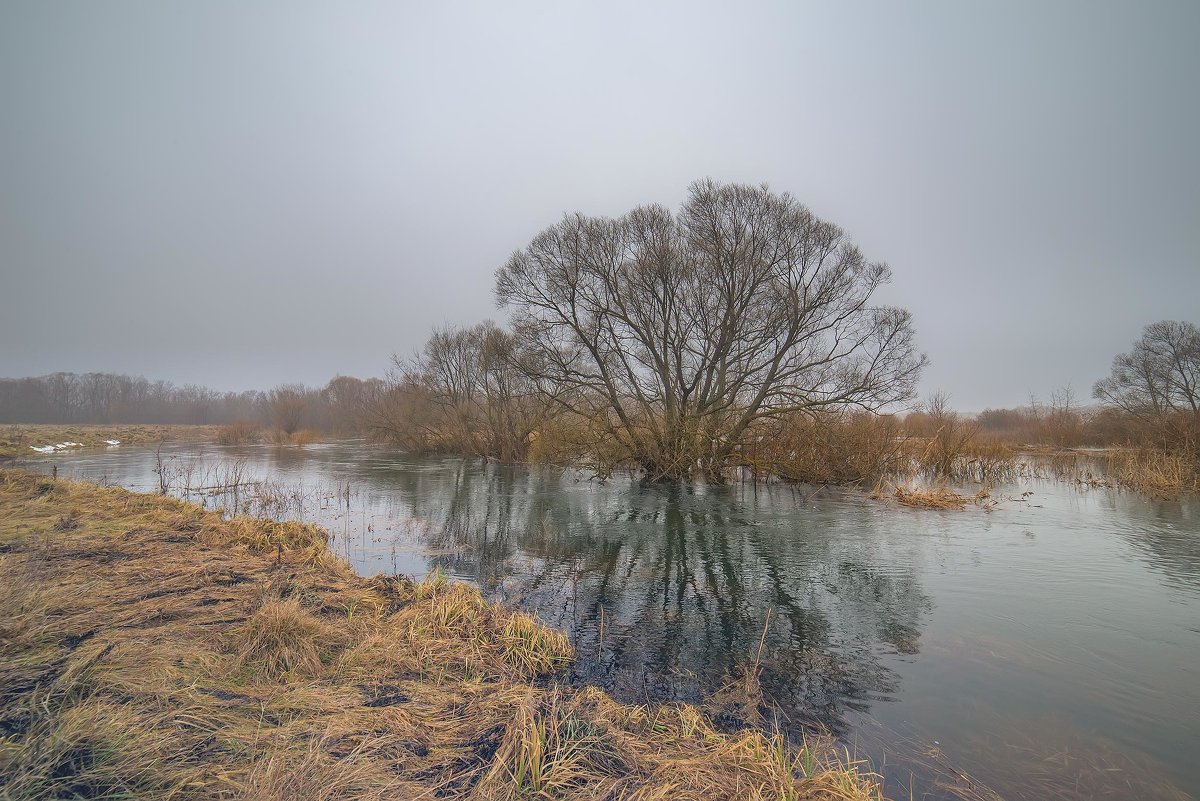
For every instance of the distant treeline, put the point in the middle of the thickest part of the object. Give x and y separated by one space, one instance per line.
108 398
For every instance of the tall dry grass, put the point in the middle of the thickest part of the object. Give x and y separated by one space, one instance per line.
281 437
1155 472
1152 454
241 432
829 449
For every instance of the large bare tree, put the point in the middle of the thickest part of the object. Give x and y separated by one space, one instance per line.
1159 375
677 331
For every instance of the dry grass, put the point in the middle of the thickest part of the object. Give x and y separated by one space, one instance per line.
982 460
154 650
929 497
241 432
829 449
577 441
17 441
939 497
305 436
1154 472
283 640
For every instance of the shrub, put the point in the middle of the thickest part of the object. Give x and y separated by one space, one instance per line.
241 432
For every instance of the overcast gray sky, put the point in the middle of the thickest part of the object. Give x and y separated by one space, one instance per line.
240 194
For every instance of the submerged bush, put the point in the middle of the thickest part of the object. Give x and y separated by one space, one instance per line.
830 448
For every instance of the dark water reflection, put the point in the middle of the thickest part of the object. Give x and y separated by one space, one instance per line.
683 579
1051 647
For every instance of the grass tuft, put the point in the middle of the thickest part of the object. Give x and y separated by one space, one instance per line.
281 640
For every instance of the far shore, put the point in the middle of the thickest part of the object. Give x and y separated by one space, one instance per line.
19 440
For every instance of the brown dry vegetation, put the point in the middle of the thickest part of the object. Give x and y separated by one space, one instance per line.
240 432
151 649
830 448
929 497
1154 472
305 436
16 440
937 497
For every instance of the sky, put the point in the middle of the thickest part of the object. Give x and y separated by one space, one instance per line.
239 194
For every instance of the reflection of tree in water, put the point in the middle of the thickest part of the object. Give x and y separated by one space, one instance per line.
682 579
1166 537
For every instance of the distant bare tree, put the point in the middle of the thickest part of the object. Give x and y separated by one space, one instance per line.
286 406
1062 421
1160 375
346 399
112 398
951 434
450 369
676 332
397 412
512 406
468 391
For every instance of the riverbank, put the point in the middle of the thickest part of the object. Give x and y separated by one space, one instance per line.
19 441
149 648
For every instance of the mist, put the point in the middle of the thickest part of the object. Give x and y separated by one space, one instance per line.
239 195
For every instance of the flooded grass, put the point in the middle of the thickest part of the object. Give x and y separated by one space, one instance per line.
277 436
153 649
1150 472
929 498
1155 473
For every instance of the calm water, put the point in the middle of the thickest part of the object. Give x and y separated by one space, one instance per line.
1048 648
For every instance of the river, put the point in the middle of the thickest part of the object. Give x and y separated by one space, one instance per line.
1049 647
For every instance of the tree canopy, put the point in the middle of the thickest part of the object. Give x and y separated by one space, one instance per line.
1159 375
676 332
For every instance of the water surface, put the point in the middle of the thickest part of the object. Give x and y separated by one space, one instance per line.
1047 648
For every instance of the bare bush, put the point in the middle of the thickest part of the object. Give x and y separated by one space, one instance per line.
831 448
469 391
948 434
240 432
286 406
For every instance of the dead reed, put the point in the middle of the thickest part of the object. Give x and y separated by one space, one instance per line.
1155 472
828 449
940 497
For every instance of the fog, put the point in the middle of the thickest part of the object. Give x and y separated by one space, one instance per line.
241 194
